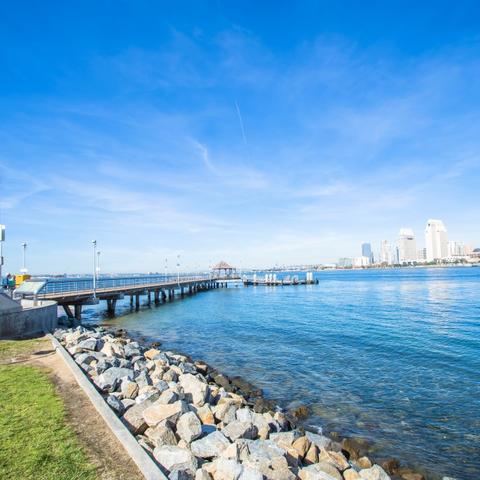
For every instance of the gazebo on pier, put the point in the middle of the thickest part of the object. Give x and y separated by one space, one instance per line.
223 269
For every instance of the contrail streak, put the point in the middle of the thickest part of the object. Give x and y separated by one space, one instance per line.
241 124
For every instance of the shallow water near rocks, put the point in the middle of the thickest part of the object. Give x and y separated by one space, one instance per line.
392 356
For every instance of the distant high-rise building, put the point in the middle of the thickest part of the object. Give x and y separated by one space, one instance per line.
456 249
436 240
407 246
422 254
386 255
367 252
345 262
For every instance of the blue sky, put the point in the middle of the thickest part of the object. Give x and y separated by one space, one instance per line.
255 132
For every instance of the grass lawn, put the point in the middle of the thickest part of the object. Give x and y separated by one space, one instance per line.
35 441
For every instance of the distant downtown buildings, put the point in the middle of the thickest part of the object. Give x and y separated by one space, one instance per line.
437 248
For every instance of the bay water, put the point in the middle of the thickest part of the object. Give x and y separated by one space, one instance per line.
392 356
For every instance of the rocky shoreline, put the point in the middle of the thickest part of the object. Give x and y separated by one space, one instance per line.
197 423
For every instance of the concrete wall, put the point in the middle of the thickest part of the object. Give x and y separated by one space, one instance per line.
31 321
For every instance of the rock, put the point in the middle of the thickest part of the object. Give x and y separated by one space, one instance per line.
129 389
249 473
285 439
337 459
231 452
301 412
351 474
201 367
319 472
210 446
145 443
90 344
132 350
170 376
244 415
161 435
189 427
157 412
133 418
151 354
180 475
205 414
374 473
363 462
237 429
301 445
355 447
312 455
281 419
262 405
265 454
116 404
281 474
187 367
167 397
112 377
222 381
227 469
195 390
171 458
391 466
202 474
127 403
319 440
225 412
143 379
147 393
108 350
160 385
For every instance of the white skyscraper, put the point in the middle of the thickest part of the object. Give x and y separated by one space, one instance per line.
436 240
407 246
386 255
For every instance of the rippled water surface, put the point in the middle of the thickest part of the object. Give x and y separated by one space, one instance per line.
393 356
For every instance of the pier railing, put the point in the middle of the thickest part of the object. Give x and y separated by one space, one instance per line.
69 285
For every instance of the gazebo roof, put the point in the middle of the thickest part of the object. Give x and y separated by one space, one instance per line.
223 266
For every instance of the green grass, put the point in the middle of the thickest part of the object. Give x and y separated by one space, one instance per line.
35 442
11 348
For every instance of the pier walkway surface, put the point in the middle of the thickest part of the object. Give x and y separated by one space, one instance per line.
77 292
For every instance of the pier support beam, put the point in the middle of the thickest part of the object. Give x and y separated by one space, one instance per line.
68 311
181 292
111 304
164 296
149 298
78 311
156 297
131 300
137 301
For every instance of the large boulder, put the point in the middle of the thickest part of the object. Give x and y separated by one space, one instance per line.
227 469
195 390
237 429
116 404
315 472
319 440
161 435
189 427
133 418
374 473
158 412
210 446
90 344
112 377
129 389
172 458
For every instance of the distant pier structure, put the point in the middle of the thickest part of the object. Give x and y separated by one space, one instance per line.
271 279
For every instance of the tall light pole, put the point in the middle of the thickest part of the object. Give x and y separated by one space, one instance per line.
2 239
24 269
98 265
94 243
178 269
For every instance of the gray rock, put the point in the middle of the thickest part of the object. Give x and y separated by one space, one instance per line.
319 440
173 458
374 473
112 377
128 402
129 389
227 469
161 435
244 415
168 396
312 472
237 429
210 446
132 350
143 379
90 344
158 412
195 390
170 376
147 393
187 368
180 475
133 418
189 427
161 385
85 358
116 404
250 473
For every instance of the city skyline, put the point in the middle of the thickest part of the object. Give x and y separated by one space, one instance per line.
284 137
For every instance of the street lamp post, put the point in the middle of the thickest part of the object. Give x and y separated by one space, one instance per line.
2 239
98 265
178 269
24 269
94 243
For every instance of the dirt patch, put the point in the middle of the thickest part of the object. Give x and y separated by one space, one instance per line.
101 446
